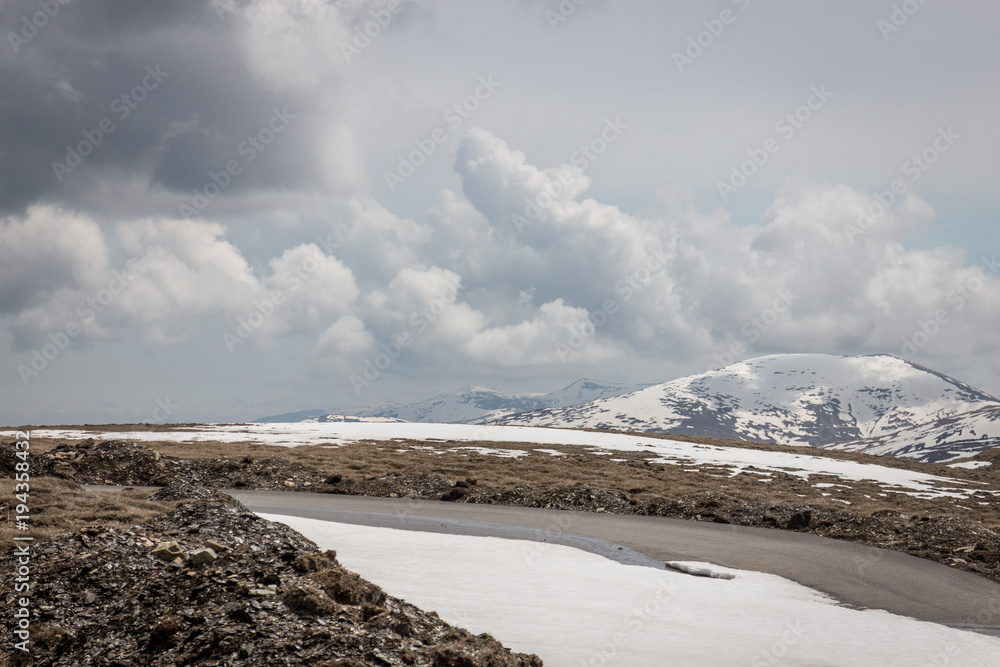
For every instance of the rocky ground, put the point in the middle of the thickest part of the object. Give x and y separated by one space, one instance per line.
212 584
937 531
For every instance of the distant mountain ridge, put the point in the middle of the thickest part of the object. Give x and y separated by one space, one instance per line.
878 404
468 405
291 417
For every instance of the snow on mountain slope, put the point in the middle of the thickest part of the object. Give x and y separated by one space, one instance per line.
287 417
324 419
877 404
585 390
464 405
479 403
943 439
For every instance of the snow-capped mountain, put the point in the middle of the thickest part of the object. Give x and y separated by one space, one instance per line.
471 404
586 390
464 405
878 404
291 417
941 439
350 419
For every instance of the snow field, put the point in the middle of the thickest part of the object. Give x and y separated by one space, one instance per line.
576 609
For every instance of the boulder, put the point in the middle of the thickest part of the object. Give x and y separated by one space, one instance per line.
168 551
800 519
202 556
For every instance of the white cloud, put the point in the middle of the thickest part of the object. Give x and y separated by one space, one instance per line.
293 45
182 269
47 250
315 289
612 286
686 281
557 333
345 339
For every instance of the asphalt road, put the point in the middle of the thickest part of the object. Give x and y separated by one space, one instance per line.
855 575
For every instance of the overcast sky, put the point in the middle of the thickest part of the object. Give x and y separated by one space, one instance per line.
219 211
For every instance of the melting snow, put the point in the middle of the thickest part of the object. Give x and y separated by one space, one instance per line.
970 464
670 452
575 608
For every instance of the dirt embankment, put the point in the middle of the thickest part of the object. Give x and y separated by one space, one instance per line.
210 583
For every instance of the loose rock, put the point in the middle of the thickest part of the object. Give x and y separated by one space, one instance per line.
100 599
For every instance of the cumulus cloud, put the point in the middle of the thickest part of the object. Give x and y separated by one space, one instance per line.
345 339
498 260
381 243
557 333
578 283
173 273
45 251
313 289
826 259
295 44
180 270
50 263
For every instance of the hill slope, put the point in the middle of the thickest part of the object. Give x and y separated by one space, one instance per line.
878 404
473 404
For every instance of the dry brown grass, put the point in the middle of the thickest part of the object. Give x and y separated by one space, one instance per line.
58 506
634 475
197 451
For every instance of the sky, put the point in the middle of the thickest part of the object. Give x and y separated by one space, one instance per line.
219 210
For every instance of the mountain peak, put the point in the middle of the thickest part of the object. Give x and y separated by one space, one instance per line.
476 388
476 403
804 399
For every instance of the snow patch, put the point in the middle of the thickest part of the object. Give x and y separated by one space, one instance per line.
701 570
668 452
971 464
575 608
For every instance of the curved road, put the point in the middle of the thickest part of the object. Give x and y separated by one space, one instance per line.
856 575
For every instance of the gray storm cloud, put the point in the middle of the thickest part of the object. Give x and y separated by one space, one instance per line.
205 181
